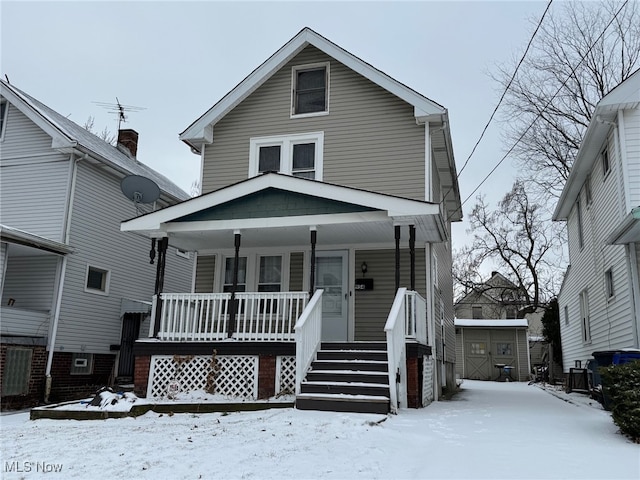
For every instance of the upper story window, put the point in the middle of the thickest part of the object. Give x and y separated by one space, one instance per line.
580 226
587 190
299 155
476 313
310 89
604 155
4 109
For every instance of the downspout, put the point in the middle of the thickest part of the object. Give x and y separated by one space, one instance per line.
635 291
63 269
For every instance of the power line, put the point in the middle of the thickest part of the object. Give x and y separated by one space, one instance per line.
515 72
544 108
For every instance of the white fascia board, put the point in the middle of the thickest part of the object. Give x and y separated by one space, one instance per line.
395 206
275 222
59 139
422 105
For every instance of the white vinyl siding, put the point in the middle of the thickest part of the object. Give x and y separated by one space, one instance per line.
632 143
89 322
371 139
29 281
610 327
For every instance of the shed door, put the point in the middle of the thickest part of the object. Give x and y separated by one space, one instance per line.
477 354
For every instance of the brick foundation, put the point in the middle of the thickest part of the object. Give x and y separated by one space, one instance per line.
141 375
71 387
35 394
266 376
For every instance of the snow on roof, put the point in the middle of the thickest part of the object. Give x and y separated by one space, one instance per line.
491 322
105 151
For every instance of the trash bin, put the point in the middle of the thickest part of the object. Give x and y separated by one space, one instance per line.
605 358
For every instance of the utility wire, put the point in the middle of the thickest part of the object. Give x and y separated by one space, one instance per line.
543 109
515 72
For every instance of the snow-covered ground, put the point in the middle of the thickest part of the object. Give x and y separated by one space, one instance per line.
489 430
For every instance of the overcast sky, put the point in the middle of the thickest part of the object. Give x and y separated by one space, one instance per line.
176 59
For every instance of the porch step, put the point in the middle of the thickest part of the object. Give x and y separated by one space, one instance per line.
347 377
343 403
351 365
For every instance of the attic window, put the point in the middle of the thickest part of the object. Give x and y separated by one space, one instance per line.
605 160
310 89
3 117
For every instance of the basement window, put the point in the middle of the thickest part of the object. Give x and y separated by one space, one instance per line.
81 363
17 370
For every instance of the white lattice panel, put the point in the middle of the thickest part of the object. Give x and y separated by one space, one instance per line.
237 375
427 381
285 375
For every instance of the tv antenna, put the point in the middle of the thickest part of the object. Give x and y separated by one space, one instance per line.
139 190
120 110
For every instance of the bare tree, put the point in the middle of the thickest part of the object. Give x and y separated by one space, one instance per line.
517 239
105 135
581 52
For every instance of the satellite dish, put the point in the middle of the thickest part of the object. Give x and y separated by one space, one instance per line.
139 189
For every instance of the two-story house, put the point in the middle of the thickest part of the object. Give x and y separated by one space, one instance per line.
491 331
74 288
600 297
323 241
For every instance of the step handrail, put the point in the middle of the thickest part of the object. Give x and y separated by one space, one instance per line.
396 351
308 334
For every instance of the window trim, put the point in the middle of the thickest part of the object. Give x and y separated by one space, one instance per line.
286 143
107 281
86 370
585 320
609 285
309 66
4 114
605 160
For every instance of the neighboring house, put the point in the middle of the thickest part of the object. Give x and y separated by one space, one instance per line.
328 193
600 296
490 332
74 288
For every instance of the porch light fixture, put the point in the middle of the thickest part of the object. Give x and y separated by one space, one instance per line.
364 268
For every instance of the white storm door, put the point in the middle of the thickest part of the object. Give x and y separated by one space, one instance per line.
332 276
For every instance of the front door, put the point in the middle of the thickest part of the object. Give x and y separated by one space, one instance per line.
331 276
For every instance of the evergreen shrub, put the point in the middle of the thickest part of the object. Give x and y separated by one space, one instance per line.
622 384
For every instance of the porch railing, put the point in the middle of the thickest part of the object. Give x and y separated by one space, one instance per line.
396 351
205 317
308 337
416 317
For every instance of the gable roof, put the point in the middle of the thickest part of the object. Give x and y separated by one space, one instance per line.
625 96
67 134
201 130
360 215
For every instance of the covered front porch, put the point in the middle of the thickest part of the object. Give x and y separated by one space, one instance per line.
283 265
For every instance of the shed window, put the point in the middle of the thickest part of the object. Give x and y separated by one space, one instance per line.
310 89
478 348
504 349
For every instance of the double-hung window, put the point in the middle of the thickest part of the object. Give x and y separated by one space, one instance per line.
584 315
299 155
242 274
310 89
4 109
270 277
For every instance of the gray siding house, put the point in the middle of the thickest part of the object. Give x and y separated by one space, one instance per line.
74 288
490 332
328 189
600 296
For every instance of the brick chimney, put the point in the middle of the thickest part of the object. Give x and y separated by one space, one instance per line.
128 139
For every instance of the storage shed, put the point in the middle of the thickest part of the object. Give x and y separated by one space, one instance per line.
484 347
